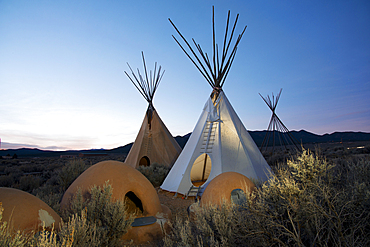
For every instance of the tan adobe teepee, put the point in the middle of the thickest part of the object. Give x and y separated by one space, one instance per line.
219 142
154 143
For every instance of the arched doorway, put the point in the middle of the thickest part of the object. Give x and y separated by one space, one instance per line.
133 204
144 161
201 169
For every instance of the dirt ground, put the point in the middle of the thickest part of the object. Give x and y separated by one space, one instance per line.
177 205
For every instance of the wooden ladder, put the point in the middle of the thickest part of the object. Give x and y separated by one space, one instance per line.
194 191
209 134
147 147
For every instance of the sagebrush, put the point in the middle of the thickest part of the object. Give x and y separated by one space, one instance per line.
308 202
155 173
98 221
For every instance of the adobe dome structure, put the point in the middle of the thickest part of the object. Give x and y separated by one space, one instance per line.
224 187
26 212
130 185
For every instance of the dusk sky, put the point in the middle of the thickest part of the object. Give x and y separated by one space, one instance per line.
62 63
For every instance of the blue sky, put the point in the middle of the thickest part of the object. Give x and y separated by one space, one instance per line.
62 84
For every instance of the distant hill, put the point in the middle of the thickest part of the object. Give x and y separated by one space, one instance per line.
181 140
302 136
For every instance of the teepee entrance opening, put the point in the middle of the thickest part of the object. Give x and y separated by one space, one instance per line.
133 203
144 161
201 169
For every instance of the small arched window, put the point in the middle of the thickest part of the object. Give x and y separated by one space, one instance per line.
144 161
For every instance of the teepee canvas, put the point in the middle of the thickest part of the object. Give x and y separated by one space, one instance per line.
154 143
219 142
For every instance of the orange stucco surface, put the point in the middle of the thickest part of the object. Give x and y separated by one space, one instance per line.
26 212
220 188
123 179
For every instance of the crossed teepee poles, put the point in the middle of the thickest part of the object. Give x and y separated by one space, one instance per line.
147 85
276 130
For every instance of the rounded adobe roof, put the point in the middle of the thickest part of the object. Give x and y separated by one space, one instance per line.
123 179
27 212
220 188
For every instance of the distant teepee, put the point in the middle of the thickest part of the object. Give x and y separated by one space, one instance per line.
277 133
219 142
154 143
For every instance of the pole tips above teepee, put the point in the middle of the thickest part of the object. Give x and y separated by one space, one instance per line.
214 69
154 143
147 84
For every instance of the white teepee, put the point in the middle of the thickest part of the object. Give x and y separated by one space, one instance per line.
154 143
219 142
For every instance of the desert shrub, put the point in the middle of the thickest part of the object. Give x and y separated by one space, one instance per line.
79 232
50 194
367 149
14 173
32 167
308 202
279 156
70 172
98 222
156 173
12 169
6 181
46 238
108 215
76 232
8 236
95 220
304 205
211 226
50 191
29 183
52 178
318 208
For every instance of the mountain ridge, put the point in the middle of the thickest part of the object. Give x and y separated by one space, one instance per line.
302 136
